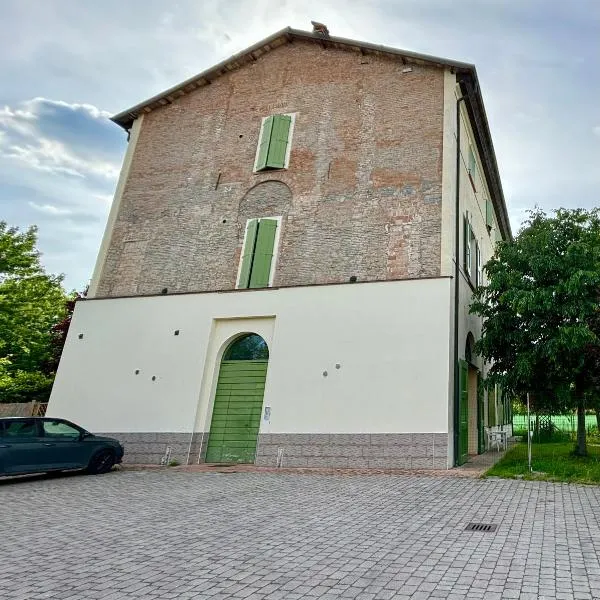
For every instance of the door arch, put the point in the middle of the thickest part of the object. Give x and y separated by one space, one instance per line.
238 401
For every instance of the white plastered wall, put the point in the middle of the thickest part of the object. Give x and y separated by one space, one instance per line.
390 340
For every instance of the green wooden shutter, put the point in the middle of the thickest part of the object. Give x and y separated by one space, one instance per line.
263 253
279 141
489 213
467 246
477 265
463 429
248 255
472 163
265 142
480 416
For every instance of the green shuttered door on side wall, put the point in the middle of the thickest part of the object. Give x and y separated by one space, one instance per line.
463 430
237 410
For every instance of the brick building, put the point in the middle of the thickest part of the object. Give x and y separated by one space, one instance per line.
277 282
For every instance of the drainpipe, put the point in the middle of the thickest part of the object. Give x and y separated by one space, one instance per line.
456 284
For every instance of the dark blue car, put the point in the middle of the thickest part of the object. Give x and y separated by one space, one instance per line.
42 444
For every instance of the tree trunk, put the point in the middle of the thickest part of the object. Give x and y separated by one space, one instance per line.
580 447
598 418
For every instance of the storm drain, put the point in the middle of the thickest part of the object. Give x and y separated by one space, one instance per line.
483 527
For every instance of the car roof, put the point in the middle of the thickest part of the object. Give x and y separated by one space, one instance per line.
30 417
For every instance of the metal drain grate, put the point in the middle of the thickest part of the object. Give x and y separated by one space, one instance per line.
484 527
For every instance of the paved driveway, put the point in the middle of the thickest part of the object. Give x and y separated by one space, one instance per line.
170 534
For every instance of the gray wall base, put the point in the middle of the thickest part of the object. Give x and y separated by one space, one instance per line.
160 448
354 450
333 450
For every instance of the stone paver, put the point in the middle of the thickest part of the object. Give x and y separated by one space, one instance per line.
183 535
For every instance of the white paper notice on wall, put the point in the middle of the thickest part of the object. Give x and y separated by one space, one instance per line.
267 416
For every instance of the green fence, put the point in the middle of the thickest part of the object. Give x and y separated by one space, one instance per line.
566 423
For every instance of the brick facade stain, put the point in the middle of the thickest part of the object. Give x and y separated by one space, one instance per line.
361 196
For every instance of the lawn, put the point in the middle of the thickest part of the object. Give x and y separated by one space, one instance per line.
551 462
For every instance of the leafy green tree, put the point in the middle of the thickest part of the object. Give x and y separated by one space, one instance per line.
540 308
18 255
31 304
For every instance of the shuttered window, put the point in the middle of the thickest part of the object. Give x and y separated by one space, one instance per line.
468 259
257 256
472 168
489 214
478 266
273 143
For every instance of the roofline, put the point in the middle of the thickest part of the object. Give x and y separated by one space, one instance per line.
466 76
126 117
469 85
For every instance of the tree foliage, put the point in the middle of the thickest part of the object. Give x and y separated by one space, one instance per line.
541 326
18 254
31 304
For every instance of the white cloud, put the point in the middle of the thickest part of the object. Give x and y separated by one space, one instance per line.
22 140
36 104
53 157
50 209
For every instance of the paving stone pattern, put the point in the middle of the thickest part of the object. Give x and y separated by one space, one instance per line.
178 535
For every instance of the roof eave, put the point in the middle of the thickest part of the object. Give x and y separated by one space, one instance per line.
474 102
126 117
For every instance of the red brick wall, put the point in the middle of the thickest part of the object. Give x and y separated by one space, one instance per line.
362 194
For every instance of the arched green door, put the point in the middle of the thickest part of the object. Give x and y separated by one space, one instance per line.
238 401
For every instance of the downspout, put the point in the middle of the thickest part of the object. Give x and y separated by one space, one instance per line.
456 285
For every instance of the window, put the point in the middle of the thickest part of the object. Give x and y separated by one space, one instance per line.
478 266
472 256
21 428
468 236
247 347
257 253
58 429
274 143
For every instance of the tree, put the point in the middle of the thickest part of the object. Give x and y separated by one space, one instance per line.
18 255
540 310
60 331
31 303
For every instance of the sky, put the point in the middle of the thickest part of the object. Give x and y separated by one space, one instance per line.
67 65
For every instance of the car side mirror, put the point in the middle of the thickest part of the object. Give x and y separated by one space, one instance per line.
83 435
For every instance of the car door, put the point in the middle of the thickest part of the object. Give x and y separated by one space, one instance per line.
21 449
64 447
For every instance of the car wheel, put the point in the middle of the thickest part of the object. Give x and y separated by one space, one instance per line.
102 462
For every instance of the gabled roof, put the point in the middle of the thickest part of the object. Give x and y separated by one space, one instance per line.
466 76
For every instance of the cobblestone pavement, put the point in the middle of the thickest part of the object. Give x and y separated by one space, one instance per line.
180 535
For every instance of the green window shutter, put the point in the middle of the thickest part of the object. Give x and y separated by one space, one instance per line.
463 411
472 163
265 142
478 266
279 141
467 246
489 213
248 255
263 253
